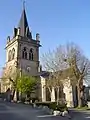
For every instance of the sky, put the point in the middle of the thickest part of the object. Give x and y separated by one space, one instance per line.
57 21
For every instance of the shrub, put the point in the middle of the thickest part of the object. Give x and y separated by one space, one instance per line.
22 99
60 107
53 105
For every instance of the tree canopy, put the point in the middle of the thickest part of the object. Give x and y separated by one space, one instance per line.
26 84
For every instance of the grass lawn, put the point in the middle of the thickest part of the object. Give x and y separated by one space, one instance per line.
82 108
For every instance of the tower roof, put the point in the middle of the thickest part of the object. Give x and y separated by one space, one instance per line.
23 25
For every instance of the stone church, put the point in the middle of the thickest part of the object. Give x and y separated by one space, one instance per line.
22 51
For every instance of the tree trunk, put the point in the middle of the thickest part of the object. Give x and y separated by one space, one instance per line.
57 95
79 97
13 94
50 91
82 98
53 95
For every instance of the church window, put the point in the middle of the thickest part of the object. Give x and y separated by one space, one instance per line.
31 54
24 53
13 53
9 55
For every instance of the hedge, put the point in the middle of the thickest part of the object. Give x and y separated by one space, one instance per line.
53 105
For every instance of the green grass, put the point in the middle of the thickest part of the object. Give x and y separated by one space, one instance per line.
82 108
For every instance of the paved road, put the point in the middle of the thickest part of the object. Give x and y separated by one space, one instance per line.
80 115
12 111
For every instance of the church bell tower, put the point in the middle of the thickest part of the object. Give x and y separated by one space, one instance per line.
22 51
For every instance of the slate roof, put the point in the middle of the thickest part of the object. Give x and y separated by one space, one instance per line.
23 25
44 73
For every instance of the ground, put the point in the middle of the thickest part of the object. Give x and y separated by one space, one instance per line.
14 111
80 114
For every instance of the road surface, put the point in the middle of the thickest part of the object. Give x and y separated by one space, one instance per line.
14 111
80 115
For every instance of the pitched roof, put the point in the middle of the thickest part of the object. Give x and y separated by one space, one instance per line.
44 73
23 25
63 73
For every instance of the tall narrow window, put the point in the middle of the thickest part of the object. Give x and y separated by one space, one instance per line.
31 54
13 53
24 53
9 55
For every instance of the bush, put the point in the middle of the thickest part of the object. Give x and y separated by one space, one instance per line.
33 99
53 105
41 103
27 99
22 99
60 107
2 95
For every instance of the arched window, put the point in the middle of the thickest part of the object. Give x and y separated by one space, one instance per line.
31 54
24 53
9 55
13 53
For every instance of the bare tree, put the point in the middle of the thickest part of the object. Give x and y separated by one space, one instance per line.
80 68
53 63
67 61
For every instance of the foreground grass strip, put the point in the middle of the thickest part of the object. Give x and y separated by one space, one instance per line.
82 108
